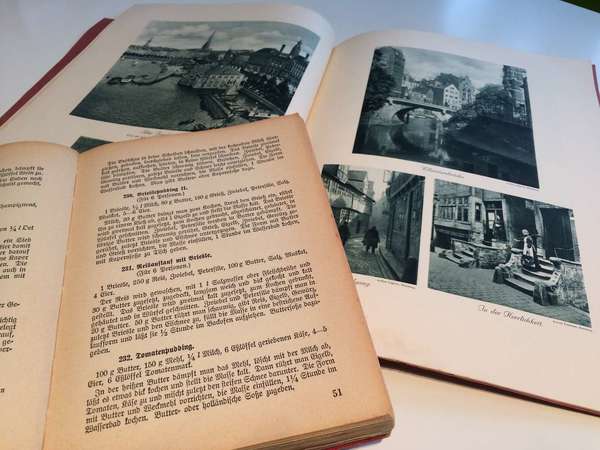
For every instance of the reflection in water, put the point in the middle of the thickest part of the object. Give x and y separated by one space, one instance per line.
420 139
161 105
117 98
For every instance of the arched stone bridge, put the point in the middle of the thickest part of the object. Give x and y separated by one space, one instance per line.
410 105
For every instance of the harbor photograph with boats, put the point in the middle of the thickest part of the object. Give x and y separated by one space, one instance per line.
192 76
450 111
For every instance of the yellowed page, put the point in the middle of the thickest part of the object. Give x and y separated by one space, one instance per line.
232 323
36 194
147 72
442 315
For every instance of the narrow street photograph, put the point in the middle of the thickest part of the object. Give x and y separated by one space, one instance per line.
378 214
366 263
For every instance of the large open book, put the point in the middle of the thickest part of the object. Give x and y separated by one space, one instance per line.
460 175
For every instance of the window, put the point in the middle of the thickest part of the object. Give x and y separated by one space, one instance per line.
477 212
446 212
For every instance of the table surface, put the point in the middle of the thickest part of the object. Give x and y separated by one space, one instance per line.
430 413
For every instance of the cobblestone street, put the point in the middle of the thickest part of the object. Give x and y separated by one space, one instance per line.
363 262
475 283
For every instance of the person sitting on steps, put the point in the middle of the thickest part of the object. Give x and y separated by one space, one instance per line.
529 258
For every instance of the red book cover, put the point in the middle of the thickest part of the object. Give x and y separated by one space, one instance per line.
595 74
75 50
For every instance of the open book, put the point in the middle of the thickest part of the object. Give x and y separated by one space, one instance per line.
460 175
180 292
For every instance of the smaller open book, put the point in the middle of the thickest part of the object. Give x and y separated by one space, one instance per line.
180 292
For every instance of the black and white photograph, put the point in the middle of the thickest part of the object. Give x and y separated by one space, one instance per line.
449 111
85 143
192 76
378 215
507 250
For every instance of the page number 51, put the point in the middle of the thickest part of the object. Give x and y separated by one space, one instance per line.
337 392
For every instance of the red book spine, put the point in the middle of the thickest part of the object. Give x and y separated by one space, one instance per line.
77 48
595 74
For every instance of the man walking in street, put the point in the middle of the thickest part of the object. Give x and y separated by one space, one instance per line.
371 239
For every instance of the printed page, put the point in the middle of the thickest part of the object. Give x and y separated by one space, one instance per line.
162 69
461 178
36 194
207 302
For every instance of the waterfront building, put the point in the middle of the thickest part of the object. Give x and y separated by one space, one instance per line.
224 79
194 73
288 67
348 196
409 83
220 79
240 58
392 61
489 106
467 91
514 82
447 95
422 93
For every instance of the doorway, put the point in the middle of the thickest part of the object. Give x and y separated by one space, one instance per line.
558 238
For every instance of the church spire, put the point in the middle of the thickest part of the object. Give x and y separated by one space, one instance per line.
206 45
295 51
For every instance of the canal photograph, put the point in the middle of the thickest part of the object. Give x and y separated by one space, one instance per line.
450 111
190 76
378 215
507 250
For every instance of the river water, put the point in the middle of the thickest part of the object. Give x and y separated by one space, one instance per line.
162 105
485 145
418 140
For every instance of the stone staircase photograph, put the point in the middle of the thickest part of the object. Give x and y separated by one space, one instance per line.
525 280
470 254
555 282
464 257
476 251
